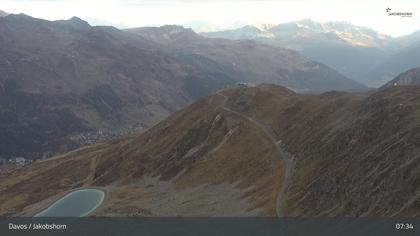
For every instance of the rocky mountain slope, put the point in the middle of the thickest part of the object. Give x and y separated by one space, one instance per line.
262 150
408 78
65 83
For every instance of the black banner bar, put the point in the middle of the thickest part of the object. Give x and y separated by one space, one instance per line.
213 226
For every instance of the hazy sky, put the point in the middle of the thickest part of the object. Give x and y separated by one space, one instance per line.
218 14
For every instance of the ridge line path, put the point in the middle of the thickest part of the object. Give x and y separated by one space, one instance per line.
287 158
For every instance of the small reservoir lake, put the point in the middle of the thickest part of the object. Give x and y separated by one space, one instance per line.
78 203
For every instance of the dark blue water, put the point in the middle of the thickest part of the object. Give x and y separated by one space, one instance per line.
75 204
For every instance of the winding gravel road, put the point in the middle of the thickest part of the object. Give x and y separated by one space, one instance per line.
286 157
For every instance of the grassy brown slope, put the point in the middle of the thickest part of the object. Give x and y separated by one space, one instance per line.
356 154
353 154
44 179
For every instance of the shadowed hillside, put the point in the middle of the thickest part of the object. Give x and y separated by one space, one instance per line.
66 84
62 79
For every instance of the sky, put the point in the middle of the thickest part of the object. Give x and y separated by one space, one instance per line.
212 15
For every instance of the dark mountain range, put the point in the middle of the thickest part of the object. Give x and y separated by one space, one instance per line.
408 78
260 151
63 82
359 53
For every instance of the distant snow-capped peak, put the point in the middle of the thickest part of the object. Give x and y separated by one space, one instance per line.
352 34
263 26
3 13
